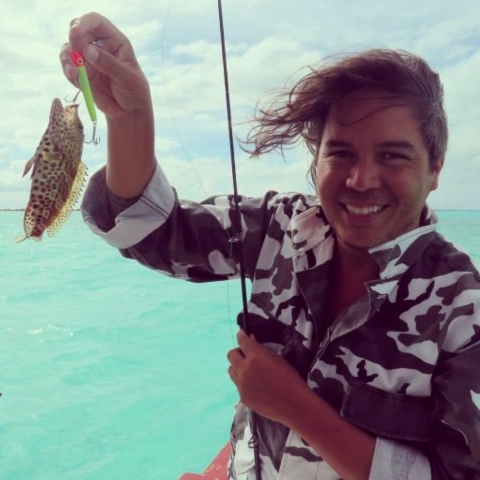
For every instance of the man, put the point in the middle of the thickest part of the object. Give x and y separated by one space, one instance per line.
364 348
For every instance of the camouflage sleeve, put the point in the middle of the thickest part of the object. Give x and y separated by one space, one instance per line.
456 438
200 242
119 204
190 240
394 460
454 451
451 451
123 225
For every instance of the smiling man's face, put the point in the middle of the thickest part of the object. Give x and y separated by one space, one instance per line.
373 170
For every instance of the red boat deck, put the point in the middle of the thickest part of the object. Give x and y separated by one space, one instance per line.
217 470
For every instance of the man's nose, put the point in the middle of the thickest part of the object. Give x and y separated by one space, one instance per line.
364 175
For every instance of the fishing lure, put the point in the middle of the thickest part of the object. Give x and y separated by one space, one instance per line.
79 61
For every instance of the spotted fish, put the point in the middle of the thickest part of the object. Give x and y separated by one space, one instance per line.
58 173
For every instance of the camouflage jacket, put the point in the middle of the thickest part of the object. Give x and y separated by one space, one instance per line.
401 363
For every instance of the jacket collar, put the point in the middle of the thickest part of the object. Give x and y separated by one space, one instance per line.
314 240
396 256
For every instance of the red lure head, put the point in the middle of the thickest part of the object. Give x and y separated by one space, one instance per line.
77 59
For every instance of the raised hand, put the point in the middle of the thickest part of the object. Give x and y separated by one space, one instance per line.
118 84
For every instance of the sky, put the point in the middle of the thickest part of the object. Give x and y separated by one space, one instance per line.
270 44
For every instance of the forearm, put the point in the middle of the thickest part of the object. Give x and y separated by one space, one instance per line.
131 155
346 448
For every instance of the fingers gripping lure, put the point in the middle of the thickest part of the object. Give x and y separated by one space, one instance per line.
79 62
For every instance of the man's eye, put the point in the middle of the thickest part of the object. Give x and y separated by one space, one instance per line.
341 154
394 156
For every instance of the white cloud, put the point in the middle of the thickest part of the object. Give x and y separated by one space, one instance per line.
268 41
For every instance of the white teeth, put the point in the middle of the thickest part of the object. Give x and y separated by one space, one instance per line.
363 210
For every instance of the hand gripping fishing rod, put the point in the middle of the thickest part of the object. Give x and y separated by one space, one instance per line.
238 227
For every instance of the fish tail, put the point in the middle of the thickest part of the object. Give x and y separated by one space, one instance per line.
20 238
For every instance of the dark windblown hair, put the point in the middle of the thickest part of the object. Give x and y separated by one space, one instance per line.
301 112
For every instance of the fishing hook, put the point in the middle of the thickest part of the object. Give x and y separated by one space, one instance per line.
74 99
94 140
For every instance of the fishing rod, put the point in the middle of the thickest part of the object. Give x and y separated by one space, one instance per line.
238 238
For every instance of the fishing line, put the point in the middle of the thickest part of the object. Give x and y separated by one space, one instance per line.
229 312
28 70
236 240
177 130
234 171
169 105
253 443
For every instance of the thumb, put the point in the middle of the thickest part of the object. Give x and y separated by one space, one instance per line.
125 71
246 342
91 54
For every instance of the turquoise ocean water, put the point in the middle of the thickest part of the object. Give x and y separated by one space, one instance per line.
112 371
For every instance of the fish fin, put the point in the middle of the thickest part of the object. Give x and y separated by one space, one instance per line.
74 195
29 165
48 157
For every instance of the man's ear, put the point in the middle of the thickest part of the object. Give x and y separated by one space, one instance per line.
436 173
